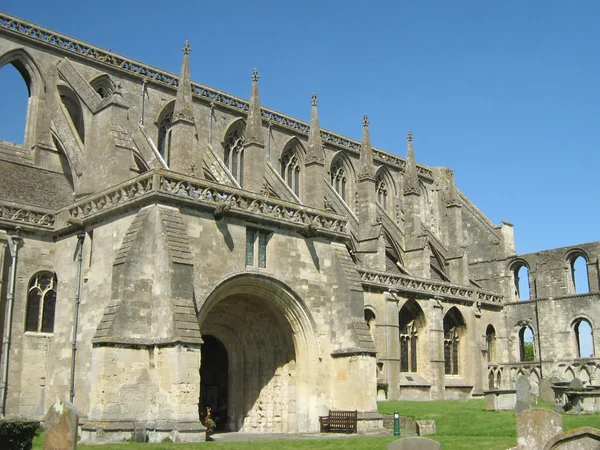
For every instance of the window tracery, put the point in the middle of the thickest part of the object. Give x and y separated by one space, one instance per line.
41 303
234 154
408 347
382 191
164 135
339 178
290 169
453 322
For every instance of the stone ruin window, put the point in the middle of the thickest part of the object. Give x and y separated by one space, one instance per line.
234 154
164 135
584 338
453 324
526 344
520 273
103 85
490 343
41 303
579 281
11 79
290 169
339 178
71 103
256 247
410 321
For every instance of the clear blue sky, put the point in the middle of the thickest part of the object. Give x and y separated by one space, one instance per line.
504 92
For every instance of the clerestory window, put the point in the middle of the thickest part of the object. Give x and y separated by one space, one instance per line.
41 303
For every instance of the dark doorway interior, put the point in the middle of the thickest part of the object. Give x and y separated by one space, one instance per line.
214 378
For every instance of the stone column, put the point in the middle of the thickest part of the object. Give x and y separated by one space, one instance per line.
436 350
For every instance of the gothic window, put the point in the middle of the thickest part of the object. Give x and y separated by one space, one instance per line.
490 343
256 248
382 191
520 273
290 169
526 344
410 321
453 325
164 135
12 83
579 274
339 178
41 303
234 153
584 339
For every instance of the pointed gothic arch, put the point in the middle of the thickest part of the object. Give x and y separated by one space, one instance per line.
454 329
22 61
583 336
163 125
579 282
342 177
233 149
385 189
411 321
519 269
292 165
490 343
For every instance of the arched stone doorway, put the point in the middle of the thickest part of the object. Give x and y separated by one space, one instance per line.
267 334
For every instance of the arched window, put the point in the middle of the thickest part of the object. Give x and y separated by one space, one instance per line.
234 151
71 103
453 325
579 274
290 168
490 343
410 322
382 191
339 178
13 126
164 134
370 320
584 339
41 303
520 273
526 344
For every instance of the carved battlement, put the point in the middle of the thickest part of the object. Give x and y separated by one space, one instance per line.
14 25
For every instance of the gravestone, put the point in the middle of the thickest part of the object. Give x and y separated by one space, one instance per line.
546 392
578 439
576 384
414 443
574 402
425 427
60 427
523 388
535 427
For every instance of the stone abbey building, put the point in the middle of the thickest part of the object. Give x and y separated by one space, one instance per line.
165 247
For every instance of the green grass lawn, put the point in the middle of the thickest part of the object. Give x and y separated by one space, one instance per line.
460 426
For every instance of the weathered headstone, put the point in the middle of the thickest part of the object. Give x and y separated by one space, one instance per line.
578 439
535 427
523 388
414 443
546 392
576 384
60 427
425 427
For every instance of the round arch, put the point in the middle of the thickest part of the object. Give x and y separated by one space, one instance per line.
270 338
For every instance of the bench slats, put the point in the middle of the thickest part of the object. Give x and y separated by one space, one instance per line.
338 421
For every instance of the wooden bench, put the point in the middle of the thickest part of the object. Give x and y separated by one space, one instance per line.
339 421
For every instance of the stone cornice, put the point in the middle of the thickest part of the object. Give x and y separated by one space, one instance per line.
404 283
69 46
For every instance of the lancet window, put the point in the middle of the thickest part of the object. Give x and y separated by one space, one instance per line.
453 324
234 154
526 344
490 341
290 169
41 303
382 191
339 178
256 248
408 347
164 135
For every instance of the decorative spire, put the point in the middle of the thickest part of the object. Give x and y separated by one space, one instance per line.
411 176
254 131
366 169
315 151
453 196
183 101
